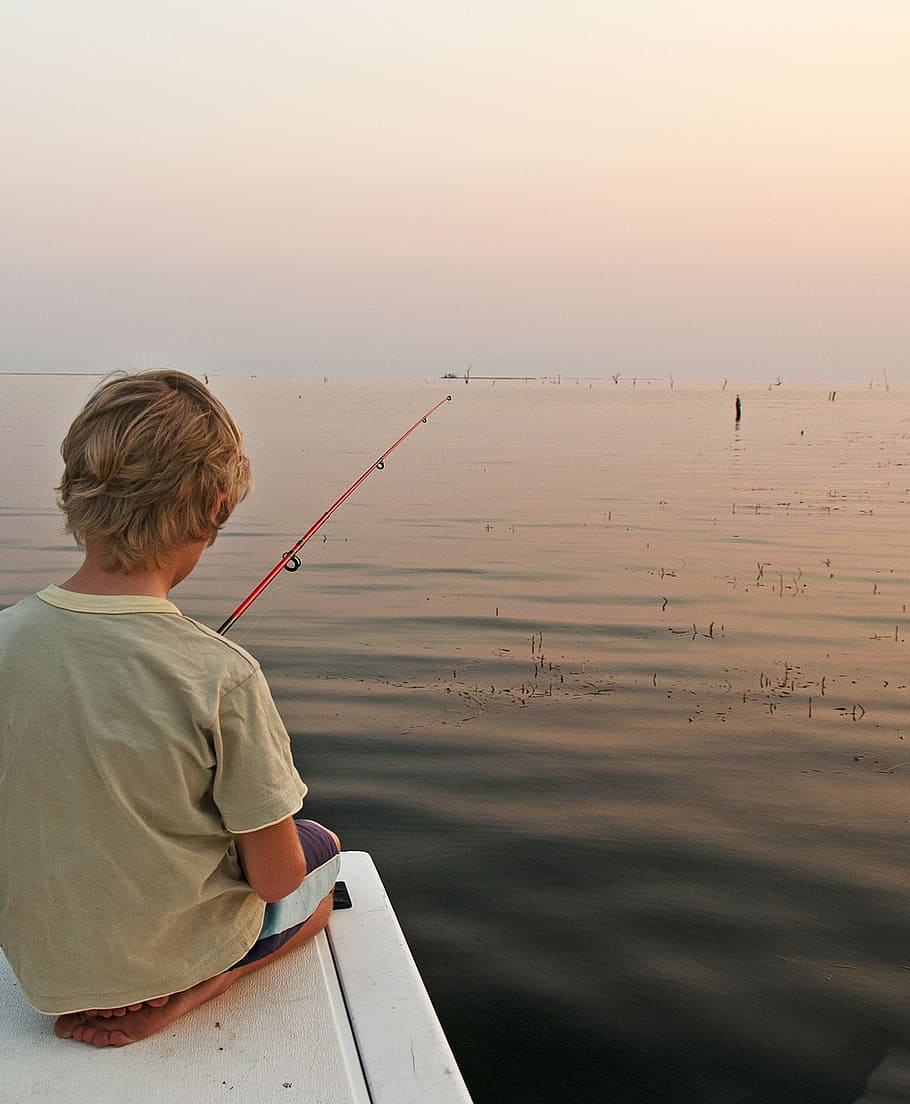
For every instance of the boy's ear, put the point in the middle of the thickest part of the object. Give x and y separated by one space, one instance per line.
219 506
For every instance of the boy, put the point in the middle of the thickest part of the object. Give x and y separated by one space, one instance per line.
147 789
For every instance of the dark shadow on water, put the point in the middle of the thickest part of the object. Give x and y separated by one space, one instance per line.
629 968
512 1050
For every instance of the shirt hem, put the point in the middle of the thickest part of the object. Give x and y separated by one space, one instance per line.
204 973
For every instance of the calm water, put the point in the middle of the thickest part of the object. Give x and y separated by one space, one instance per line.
615 693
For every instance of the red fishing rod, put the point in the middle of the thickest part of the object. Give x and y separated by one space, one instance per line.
290 561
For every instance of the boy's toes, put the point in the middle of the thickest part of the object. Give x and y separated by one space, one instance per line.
64 1025
101 1036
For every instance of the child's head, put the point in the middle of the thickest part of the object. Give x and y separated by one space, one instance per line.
152 461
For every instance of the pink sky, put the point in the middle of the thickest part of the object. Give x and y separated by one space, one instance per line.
685 186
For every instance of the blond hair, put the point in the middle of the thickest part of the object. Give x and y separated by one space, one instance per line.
151 461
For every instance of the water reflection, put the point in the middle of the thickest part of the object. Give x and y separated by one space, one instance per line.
617 704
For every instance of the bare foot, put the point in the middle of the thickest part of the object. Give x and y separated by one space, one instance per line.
106 1013
135 1022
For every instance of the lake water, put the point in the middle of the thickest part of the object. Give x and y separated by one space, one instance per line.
614 691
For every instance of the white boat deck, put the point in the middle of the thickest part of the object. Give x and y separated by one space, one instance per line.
343 1020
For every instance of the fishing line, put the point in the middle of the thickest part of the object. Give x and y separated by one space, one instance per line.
290 561
265 607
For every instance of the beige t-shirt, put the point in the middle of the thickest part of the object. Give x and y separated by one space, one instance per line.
133 743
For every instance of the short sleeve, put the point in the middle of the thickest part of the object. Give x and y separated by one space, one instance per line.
256 783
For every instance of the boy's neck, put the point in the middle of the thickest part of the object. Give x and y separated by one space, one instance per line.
153 582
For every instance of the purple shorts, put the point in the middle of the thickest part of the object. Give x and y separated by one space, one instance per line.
318 847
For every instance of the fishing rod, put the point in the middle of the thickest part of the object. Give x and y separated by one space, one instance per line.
290 561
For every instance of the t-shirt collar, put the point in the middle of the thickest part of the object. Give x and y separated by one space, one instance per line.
78 602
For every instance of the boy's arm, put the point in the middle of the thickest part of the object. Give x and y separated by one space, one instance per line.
272 859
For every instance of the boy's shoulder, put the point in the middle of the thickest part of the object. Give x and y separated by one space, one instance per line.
163 626
219 643
18 612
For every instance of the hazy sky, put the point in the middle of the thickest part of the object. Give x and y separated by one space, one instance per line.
699 187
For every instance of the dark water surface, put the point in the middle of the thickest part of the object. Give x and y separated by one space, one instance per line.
614 692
